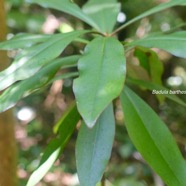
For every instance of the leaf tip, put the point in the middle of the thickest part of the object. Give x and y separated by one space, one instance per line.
90 123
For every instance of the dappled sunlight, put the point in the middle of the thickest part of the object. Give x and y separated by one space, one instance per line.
51 24
165 27
64 179
144 28
55 98
16 64
22 173
174 81
181 72
26 114
23 139
9 73
121 17
85 80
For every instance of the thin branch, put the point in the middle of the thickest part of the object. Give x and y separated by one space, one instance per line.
103 181
156 9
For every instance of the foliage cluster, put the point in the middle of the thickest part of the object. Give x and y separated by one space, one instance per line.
104 74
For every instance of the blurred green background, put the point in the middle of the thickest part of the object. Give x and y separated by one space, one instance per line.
37 114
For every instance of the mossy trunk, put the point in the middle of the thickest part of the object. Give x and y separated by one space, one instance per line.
8 155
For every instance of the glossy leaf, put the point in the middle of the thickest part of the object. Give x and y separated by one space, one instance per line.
153 139
99 11
93 148
154 87
30 60
174 43
56 145
21 89
23 40
102 74
68 7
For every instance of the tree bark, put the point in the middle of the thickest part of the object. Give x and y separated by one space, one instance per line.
8 153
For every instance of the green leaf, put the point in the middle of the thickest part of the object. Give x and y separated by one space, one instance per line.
99 11
152 86
153 139
174 43
154 10
68 7
23 40
23 88
66 125
151 62
161 7
30 60
52 152
102 74
93 148
67 75
56 145
180 2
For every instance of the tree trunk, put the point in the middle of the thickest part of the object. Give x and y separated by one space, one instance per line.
8 155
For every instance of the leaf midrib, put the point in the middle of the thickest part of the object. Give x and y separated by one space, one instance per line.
99 80
95 144
167 164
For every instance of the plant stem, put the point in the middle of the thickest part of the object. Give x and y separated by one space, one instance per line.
103 181
156 9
